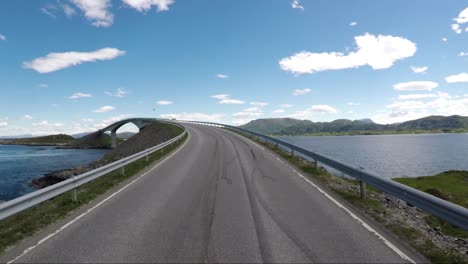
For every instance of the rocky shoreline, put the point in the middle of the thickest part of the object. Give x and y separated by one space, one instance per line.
58 176
149 136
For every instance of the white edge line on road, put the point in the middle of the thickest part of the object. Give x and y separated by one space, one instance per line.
355 217
96 206
359 220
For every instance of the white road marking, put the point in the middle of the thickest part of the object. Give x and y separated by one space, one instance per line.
359 220
355 217
96 206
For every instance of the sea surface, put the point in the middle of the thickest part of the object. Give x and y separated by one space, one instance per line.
393 156
20 164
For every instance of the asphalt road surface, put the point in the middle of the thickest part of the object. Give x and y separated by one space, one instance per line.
219 198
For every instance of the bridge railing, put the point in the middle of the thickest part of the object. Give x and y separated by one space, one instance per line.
29 200
452 213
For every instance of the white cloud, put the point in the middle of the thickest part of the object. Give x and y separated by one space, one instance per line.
450 106
48 10
406 105
392 117
462 77
298 92
58 61
295 4
104 109
410 110
225 99
87 120
3 124
379 52
415 86
246 114
45 125
461 19
278 111
456 28
285 105
417 69
220 96
252 109
120 92
323 109
96 11
164 102
444 39
68 10
114 119
80 95
145 5
244 117
259 104
231 101
222 76
463 54
194 116
43 85
28 117
422 96
353 24
353 104
2 37
314 110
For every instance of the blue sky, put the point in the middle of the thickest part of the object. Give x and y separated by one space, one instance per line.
70 66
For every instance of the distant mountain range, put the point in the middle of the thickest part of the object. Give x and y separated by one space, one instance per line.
290 126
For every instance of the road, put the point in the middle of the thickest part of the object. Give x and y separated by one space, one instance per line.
219 198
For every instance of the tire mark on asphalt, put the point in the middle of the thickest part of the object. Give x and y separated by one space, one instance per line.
261 238
306 251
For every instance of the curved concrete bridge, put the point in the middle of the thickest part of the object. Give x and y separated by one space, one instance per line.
139 122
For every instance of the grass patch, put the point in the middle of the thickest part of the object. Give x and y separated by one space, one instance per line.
451 186
371 206
24 224
426 247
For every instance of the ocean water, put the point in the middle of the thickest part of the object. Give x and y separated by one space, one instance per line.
393 156
20 164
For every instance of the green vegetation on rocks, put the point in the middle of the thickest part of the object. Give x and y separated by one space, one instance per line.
59 139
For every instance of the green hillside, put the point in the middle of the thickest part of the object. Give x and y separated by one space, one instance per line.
274 125
45 140
289 126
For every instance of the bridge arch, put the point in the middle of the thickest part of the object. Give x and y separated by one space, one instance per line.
138 122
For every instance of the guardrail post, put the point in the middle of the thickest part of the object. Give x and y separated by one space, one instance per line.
292 152
363 189
122 171
315 164
74 195
147 158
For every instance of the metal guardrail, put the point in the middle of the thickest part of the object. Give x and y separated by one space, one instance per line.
452 213
21 203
